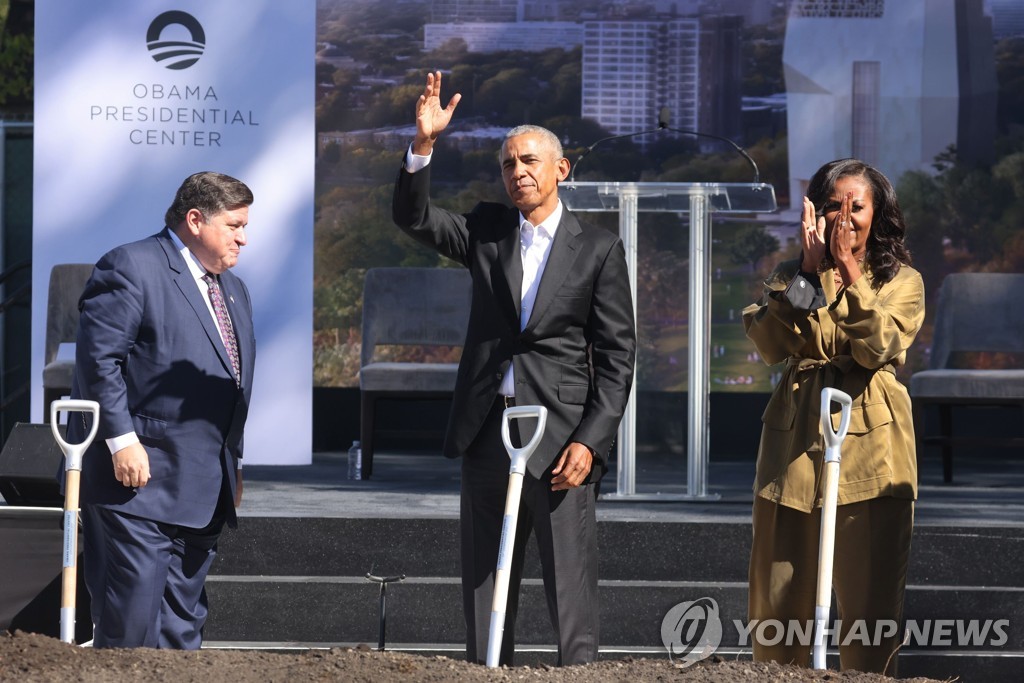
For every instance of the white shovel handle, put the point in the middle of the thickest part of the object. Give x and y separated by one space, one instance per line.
829 502
73 452
834 437
517 469
519 456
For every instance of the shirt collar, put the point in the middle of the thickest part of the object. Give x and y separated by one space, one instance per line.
550 224
194 266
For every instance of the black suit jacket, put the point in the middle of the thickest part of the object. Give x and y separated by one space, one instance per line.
576 354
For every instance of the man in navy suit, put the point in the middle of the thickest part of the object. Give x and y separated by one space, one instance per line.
166 347
551 323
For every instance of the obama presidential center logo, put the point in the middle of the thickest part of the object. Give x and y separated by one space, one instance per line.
176 109
164 40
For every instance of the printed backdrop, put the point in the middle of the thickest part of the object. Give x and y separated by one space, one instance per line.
130 98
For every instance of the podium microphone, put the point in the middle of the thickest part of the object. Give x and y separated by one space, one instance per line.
663 121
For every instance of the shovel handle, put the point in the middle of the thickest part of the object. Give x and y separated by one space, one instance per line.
829 501
73 452
519 456
834 437
502 573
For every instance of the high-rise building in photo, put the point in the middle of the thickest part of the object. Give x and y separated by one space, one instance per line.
892 82
632 70
720 94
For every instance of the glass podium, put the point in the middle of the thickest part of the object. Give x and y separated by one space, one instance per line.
699 200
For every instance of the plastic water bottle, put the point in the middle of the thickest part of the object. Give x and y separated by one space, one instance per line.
355 461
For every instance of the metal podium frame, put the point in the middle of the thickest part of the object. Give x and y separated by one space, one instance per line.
699 200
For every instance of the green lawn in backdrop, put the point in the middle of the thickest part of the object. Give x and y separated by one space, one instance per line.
735 365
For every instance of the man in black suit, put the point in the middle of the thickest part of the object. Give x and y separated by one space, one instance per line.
166 346
551 324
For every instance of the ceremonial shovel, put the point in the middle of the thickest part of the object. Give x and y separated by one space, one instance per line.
829 500
517 469
73 471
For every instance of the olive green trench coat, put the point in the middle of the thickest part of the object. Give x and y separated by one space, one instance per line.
852 339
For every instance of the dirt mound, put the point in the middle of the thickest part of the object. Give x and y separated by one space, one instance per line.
32 658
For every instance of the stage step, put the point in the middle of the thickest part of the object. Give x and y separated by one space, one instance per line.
302 580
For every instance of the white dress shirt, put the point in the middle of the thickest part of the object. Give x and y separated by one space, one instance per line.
535 248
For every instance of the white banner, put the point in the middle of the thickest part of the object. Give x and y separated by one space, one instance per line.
133 97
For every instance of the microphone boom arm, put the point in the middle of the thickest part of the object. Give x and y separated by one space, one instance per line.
757 174
588 150
661 127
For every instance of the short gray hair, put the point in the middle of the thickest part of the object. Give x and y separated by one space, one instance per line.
550 138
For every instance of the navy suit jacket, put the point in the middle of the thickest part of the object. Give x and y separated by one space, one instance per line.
149 353
576 354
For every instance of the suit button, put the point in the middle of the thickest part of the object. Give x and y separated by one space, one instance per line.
497 376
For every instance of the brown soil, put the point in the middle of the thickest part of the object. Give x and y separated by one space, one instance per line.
31 658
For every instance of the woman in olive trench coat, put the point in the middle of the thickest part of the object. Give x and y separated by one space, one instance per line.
842 315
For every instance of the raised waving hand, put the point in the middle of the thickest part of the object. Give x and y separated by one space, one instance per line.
431 117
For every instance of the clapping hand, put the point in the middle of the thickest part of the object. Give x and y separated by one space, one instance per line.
841 239
812 238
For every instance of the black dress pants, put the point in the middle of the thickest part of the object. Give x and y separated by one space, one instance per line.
565 525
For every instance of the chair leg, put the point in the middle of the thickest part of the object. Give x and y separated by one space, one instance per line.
49 396
946 431
368 407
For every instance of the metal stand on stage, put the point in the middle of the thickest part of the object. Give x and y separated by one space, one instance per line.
699 200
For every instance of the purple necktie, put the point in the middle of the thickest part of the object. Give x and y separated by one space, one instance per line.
227 330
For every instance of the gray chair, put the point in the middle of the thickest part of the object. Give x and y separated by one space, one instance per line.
408 306
67 281
976 312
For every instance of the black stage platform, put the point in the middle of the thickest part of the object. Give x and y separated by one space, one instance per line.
293 574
